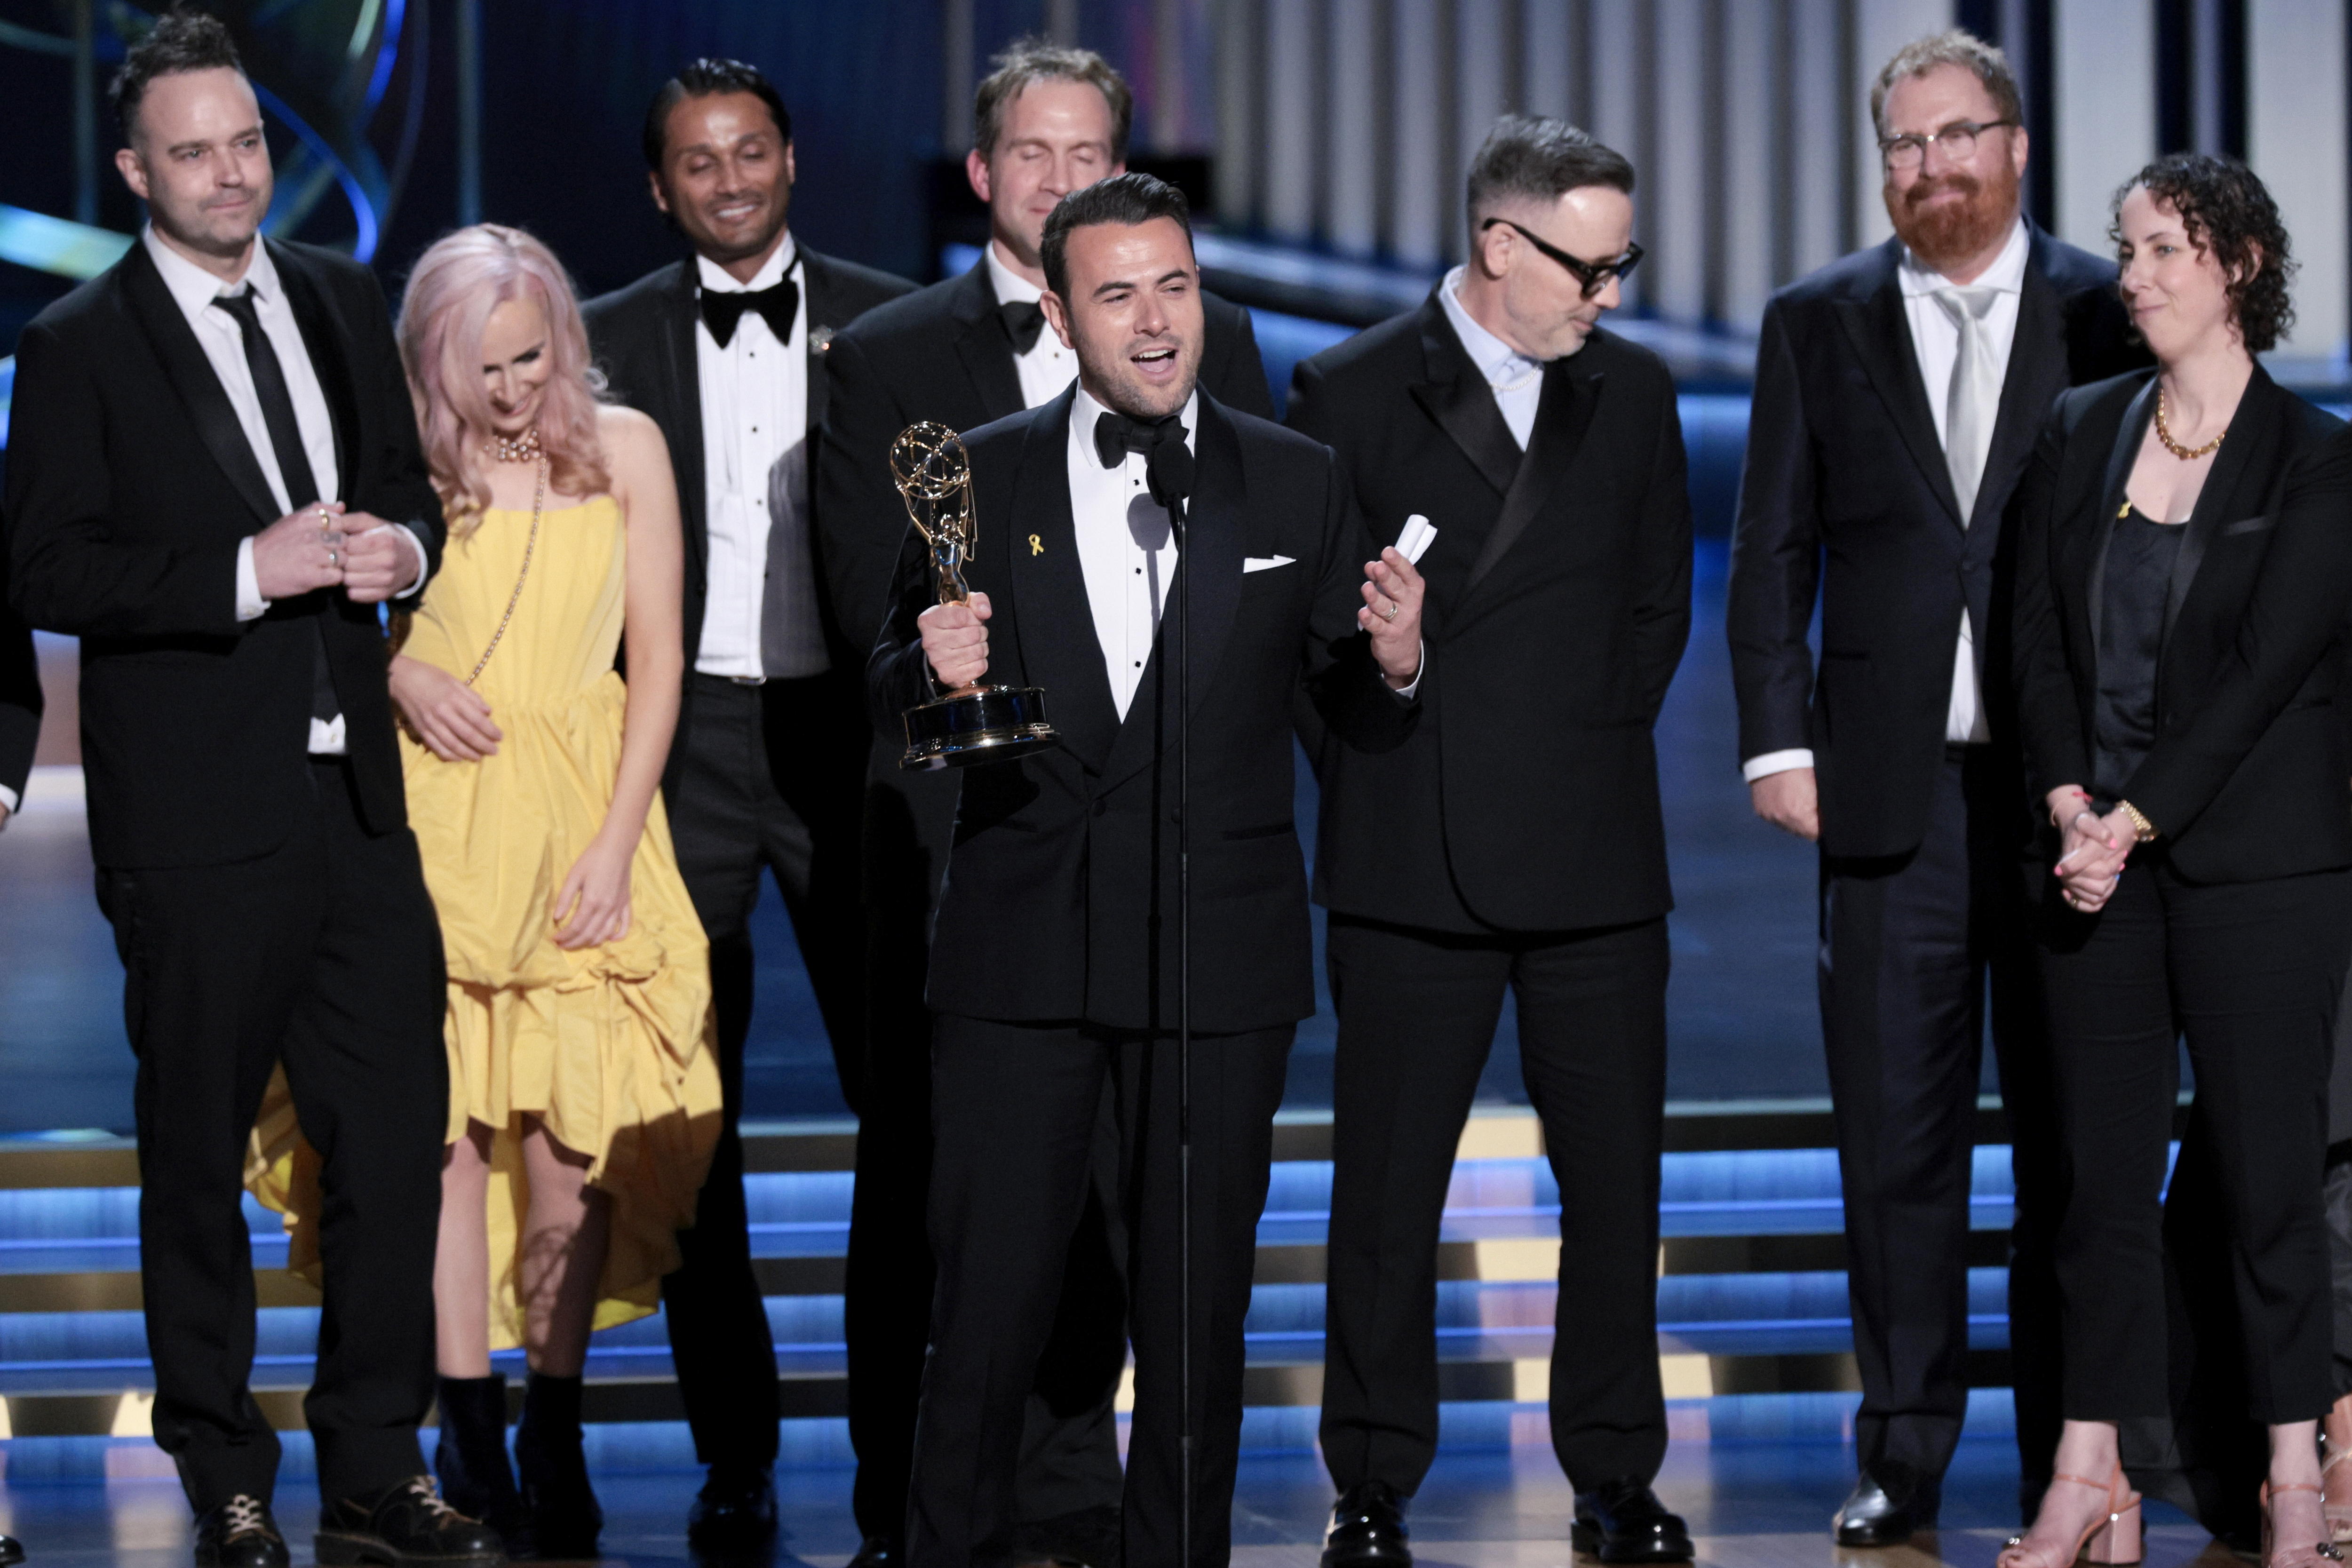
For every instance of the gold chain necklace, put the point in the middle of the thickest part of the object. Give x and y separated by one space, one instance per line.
522 448
538 500
2186 454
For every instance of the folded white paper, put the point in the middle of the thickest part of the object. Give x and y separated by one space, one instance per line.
1418 536
1265 562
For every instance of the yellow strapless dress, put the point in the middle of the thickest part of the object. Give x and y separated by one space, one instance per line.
610 1046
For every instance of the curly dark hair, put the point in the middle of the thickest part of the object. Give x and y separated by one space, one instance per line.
2228 211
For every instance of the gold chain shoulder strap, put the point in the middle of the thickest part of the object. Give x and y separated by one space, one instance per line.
531 547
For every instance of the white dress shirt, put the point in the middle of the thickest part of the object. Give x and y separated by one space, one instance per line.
754 410
1516 380
1936 340
193 290
1125 548
1048 368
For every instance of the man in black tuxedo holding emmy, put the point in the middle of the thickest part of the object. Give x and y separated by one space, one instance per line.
726 350
1053 970
1047 120
214 482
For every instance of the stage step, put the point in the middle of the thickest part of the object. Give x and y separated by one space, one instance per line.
1751 1289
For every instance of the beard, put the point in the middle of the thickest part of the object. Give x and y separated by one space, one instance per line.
1952 232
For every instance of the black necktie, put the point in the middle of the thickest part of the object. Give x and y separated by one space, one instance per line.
1024 319
1116 436
293 460
776 305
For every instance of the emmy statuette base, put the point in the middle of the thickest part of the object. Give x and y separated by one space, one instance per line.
981 724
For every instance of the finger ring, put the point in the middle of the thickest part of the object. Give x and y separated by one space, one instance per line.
334 558
1390 614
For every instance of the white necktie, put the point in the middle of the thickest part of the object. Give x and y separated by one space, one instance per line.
1972 402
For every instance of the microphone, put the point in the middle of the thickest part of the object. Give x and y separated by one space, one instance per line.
1169 472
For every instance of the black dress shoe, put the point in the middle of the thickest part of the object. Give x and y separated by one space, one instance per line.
879 1552
735 1515
405 1526
239 1534
1891 1502
1085 1538
12 1551
1368 1529
1624 1521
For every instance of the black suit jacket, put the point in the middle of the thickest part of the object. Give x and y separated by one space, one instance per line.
1846 492
2247 777
1061 887
20 700
1558 607
643 340
942 354
131 484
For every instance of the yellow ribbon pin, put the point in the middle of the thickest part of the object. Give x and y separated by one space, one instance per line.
1037 545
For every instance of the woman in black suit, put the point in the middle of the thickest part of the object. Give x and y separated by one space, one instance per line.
2184 571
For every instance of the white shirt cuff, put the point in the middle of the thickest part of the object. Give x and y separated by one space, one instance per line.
1769 763
1405 693
250 604
9 798
418 545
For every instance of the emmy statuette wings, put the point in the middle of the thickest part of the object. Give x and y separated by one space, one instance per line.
973 723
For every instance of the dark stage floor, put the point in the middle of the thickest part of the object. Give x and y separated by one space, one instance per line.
1753 1503
1743 1020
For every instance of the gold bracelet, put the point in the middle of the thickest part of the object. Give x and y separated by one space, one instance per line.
2142 828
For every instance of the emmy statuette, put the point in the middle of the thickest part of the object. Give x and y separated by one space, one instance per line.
971 723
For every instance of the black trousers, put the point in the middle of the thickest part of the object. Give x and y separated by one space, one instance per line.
2249 975
764 787
1015 1108
324 954
1417 1015
1068 1483
1908 945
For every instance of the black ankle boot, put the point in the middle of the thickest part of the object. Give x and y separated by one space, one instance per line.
556 1496
471 1459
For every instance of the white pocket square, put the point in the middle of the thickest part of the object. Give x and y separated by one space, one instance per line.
1265 562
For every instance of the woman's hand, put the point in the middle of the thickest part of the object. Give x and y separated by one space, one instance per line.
2092 851
592 906
442 712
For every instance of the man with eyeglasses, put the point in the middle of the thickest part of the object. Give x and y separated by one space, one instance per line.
1898 396
1513 844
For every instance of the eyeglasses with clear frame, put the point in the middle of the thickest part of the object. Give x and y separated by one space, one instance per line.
1593 275
1958 140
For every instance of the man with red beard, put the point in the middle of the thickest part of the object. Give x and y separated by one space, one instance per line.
1898 394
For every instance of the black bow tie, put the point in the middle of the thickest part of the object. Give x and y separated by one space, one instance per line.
1024 319
776 305
1116 436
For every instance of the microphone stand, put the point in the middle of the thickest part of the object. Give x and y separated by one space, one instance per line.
1171 472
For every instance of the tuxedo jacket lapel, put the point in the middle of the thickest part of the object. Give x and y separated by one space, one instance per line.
683 373
1053 622
1881 334
2254 452
327 362
1211 573
985 350
1458 399
191 374
1570 396
2129 436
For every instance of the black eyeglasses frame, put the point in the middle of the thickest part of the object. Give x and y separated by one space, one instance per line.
1593 275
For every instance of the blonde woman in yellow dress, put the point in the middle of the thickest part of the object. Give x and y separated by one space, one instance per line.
585 1098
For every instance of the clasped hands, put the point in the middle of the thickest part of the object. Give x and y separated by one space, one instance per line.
2092 849
955 635
324 546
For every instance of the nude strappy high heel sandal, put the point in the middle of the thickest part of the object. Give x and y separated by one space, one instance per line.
2297 1555
2110 1537
2336 1491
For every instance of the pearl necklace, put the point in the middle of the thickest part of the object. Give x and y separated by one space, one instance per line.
522 448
